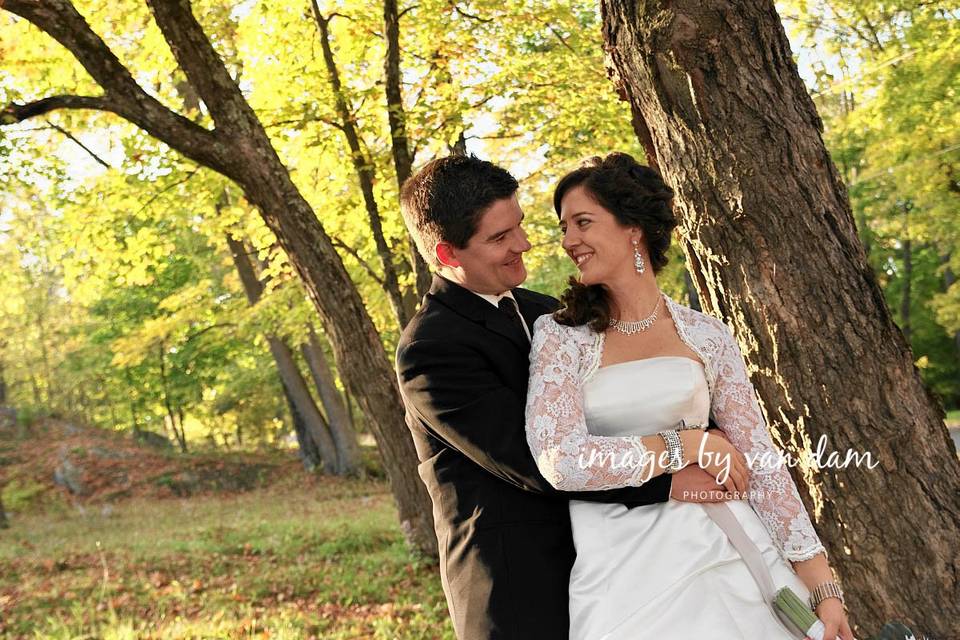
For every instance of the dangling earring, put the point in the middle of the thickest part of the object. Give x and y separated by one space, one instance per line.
638 262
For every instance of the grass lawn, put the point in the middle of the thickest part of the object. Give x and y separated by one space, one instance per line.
323 558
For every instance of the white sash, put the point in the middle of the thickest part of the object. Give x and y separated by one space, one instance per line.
721 514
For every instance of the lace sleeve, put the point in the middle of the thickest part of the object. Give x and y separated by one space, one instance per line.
773 495
568 456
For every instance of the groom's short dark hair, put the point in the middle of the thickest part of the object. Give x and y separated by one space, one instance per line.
443 201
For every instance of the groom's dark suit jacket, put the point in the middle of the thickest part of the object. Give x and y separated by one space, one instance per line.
506 548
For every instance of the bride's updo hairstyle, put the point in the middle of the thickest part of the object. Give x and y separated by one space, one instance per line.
637 197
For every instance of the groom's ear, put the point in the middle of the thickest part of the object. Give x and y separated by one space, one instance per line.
447 255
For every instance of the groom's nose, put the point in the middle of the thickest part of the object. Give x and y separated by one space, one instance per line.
521 244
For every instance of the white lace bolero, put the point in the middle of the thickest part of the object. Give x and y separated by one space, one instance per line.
563 359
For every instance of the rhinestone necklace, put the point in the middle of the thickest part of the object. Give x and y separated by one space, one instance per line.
630 328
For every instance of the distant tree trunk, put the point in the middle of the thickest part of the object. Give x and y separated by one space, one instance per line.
692 296
3 514
765 221
363 166
239 148
309 454
134 414
397 117
300 392
906 293
293 383
348 451
3 386
948 279
35 387
178 435
183 429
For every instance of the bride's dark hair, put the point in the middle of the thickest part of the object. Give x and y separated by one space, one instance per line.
637 197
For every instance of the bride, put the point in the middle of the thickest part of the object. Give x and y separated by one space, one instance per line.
612 374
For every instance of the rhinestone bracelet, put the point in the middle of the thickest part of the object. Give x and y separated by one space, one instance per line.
823 591
671 439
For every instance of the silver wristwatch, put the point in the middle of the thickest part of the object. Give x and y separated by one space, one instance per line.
671 439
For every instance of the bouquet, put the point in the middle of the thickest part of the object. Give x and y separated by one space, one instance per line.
800 615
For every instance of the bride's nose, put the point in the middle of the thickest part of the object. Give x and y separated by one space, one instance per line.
569 240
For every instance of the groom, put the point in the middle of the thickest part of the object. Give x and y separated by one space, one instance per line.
506 547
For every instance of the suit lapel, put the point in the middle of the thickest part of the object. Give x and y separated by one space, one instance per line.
530 309
472 306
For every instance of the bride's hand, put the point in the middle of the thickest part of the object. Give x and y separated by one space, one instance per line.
834 620
715 455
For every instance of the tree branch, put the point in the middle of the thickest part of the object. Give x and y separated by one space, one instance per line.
170 186
122 95
456 7
203 66
77 142
356 256
14 112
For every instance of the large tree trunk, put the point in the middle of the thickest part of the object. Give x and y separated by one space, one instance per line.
240 149
344 438
766 225
294 385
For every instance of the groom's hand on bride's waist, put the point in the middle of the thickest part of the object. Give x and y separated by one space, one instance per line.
693 484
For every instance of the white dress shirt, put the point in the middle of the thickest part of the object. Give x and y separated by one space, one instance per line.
495 301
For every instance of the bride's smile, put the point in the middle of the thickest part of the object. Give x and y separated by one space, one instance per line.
594 240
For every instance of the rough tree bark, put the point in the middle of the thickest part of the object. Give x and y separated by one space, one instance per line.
766 225
293 383
238 147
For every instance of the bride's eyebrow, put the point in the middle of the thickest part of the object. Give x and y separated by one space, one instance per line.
574 216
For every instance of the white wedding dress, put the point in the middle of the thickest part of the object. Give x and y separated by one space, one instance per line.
663 571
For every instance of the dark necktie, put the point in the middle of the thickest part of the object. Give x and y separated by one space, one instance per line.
509 308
